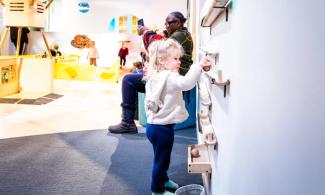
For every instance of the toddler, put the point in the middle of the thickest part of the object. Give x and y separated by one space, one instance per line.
165 106
92 54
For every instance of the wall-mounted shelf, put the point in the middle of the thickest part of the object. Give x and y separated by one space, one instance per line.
198 159
209 136
218 80
212 10
204 95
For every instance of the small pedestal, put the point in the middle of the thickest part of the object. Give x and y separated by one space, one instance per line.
199 163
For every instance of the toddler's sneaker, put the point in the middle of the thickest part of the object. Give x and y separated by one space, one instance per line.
171 185
162 193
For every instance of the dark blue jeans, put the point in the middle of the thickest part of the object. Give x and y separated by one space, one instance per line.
122 61
132 83
162 140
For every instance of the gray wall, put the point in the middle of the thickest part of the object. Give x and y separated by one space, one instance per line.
271 125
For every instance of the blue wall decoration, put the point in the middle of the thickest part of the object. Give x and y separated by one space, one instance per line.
111 25
83 6
126 23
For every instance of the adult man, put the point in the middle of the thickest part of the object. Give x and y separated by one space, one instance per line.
132 83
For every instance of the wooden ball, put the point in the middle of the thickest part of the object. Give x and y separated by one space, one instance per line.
195 153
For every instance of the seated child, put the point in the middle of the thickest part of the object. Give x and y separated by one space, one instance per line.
55 50
137 67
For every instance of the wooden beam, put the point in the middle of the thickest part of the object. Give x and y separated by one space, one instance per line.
3 37
48 3
18 40
18 71
46 44
31 2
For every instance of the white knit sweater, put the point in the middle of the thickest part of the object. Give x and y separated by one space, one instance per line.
164 102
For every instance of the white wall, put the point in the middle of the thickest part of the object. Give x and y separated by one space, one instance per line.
66 21
107 45
67 18
271 125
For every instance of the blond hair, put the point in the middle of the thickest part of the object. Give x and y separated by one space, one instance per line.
161 49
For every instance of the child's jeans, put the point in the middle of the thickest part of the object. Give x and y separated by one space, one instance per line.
162 140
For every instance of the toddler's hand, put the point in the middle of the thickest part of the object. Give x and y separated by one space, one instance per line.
205 64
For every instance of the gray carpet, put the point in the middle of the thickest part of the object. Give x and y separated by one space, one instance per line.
87 162
38 101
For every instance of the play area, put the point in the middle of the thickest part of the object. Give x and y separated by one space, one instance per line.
54 55
70 68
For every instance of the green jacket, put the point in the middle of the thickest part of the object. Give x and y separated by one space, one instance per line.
184 37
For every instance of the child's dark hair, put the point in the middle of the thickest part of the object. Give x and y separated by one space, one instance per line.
137 64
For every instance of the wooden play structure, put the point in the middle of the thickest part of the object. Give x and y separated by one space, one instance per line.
9 83
28 74
24 13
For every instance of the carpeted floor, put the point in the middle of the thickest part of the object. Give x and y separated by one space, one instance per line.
87 162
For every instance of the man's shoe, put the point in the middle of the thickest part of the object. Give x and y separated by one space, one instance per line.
123 127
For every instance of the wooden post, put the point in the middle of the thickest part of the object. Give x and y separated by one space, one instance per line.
48 3
31 2
18 71
3 37
18 40
47 45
